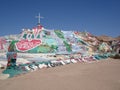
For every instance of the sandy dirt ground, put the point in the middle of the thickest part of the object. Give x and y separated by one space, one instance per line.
101 75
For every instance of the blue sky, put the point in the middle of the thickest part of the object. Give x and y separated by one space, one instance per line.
99 17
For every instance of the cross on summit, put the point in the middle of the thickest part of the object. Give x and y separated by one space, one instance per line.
39 17
39 26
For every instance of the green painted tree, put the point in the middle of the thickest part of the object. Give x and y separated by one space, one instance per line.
68 46
59 34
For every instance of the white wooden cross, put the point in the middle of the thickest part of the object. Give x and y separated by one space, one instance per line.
39 18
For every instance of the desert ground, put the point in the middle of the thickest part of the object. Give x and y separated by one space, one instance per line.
98 75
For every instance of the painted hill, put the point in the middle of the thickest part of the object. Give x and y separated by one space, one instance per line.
41 40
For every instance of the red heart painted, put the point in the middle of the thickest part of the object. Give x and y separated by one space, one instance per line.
25 45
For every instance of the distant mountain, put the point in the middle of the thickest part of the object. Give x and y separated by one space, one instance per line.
105 38
118 38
